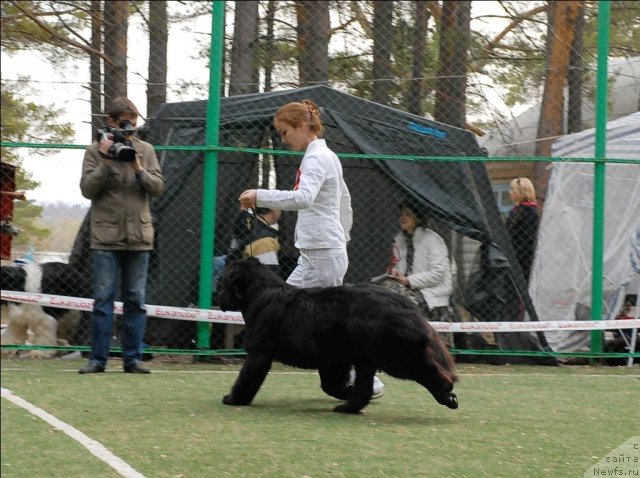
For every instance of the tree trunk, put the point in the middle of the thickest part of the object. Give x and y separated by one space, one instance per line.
415 93
269 42
243 77
451 90
382 44
562 29
157 70
115 49
313 33
575 77
95 69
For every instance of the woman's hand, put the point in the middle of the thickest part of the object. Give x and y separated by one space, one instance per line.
248 199
402 279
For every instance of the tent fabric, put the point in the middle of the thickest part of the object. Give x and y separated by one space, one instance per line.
457 194
517 136
561 277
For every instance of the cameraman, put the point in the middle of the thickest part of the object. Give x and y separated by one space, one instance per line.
120 187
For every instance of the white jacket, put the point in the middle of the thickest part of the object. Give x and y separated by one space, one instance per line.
321 198
431 272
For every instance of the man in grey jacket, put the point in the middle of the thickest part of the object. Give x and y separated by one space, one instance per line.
120 174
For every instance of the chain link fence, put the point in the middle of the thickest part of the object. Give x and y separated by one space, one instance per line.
422 109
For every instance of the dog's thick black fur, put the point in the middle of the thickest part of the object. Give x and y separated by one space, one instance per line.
331 330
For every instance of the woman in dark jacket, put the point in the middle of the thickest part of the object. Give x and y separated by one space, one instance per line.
522 222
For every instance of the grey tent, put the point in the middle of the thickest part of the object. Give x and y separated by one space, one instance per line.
457 194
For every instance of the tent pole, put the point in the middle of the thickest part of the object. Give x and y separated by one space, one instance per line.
208 222
634 333
604 11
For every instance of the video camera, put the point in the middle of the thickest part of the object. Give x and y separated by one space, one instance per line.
121 149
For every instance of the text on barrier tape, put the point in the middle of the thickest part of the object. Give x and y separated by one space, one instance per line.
218 316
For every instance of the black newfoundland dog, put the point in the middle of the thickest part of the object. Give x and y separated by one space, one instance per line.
364 326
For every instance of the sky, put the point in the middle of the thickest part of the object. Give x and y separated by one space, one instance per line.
59 173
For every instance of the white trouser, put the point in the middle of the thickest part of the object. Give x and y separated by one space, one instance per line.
378 386
319 268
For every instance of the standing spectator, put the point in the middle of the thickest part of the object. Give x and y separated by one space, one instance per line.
9 194
122 235
522 222
253 237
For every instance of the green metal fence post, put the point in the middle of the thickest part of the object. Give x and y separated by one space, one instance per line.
210 168
604 13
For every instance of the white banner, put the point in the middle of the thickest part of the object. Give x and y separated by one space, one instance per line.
218 316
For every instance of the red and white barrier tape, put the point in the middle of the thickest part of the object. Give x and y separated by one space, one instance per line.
218 316
162 311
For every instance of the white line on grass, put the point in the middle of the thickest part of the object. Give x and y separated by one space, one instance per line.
96 448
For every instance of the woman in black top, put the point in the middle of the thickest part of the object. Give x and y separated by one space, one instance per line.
522 222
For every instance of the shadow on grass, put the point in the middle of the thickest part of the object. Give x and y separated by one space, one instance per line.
318 407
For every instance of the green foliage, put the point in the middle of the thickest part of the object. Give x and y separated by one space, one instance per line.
50 27
624 34
26 216
26 121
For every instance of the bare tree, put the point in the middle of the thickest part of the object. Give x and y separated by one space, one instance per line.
415 94
382 46
563 17
576 76
243 76
95 68
157 69
269 44
115 49
451 91
314 32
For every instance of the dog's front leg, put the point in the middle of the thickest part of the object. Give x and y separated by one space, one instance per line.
253 372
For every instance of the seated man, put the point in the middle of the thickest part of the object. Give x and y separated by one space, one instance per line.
260 238
254 236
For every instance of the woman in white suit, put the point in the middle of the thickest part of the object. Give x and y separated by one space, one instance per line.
421 266
319 194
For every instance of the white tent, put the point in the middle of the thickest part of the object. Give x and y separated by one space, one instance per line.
561 277
517 136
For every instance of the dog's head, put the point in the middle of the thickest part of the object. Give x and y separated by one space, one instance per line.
242 279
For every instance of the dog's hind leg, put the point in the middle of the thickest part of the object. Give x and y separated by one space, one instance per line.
362 391
253 372
334 381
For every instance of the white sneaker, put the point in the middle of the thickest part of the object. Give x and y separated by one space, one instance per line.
378 388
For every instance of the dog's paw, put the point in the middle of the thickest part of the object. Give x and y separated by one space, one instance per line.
344 408
229 400
451 401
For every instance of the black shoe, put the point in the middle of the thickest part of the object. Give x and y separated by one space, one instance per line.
91 368
136 368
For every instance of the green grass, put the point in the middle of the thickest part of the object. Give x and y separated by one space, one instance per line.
512 422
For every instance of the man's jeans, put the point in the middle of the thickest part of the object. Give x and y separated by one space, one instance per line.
131 267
